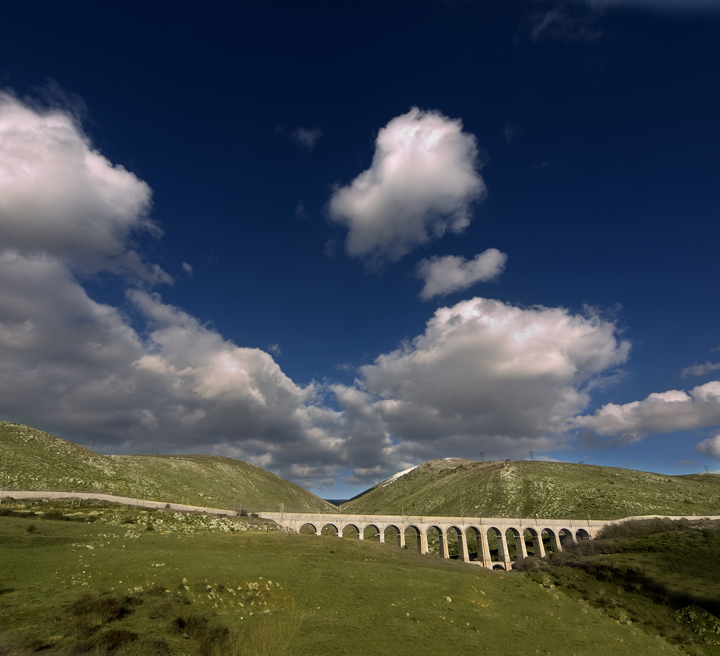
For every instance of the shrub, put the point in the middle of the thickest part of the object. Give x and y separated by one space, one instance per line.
31 529
115 638
107 607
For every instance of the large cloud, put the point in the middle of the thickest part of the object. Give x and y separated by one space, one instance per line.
77 366
421 182
143 377
485 376
451 273
60 196
663 412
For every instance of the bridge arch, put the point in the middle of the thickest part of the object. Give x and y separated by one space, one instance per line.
308 528
436 543
550 541
474 539
565 537
392 535
412 537
582 534
371 532
456 543
351 531
533 536
329 529
515 541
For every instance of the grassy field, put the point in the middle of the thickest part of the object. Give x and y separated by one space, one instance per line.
115 580
660 574
521 488
33 460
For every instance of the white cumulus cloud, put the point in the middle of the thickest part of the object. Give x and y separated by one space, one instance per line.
421 183
484 376
146 376
663 412
76 366
710 447
451 273
59 196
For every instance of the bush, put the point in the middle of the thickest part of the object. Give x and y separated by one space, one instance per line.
107 607
115 638
641 527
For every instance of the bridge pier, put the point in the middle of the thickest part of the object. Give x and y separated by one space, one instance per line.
538 545
443 543
463 553
503 551
523 549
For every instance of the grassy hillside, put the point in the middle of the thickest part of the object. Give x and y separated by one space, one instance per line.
660 574
33 460
519 488
115 587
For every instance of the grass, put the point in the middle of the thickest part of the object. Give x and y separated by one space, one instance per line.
33 460
520 488
107 587
660 574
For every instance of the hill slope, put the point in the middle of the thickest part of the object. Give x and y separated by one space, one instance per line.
33 460
521 488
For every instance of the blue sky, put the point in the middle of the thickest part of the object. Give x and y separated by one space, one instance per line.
339 241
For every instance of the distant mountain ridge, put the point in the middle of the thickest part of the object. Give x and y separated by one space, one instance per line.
521 488
33 460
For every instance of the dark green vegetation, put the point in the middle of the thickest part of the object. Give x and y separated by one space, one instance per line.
112 586
660 574
33 460
521 488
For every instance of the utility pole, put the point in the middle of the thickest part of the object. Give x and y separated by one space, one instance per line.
532 457
482 456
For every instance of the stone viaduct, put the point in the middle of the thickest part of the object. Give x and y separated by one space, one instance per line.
497 542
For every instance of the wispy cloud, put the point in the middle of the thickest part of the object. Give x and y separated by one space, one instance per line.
700 369
677 6
564 24
306 138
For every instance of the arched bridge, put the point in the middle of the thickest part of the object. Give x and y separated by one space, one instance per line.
489 542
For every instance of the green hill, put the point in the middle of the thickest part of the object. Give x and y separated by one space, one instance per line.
33 460
520 488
